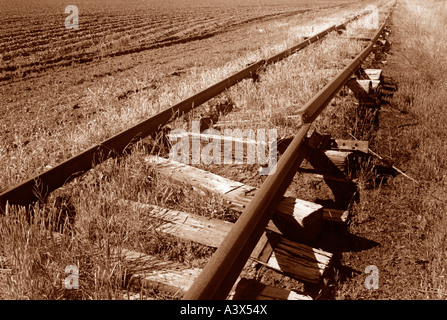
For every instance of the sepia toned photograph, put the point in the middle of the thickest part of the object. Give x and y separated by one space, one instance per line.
261 153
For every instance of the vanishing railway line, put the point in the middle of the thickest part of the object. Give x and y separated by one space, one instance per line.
271 225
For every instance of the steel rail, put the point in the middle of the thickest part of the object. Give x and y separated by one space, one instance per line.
39 186
219 275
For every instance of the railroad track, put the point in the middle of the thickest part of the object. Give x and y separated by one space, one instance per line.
273 228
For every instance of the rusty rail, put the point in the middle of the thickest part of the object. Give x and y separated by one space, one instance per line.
39 186
224 267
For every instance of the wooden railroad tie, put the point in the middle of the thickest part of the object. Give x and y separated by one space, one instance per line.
339 158
331 148
295 218
334 170
176 278
365 86
273 250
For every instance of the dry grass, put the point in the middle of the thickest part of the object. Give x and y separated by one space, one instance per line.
422 93
34 258
408 219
